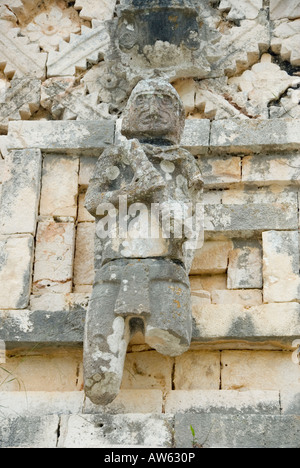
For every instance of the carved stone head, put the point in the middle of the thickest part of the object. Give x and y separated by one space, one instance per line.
154 112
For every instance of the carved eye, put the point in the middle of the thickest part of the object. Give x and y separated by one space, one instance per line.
166 101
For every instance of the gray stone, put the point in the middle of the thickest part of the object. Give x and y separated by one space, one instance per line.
245 265
290 402
237 431
29 432
107 431
20 192
64 137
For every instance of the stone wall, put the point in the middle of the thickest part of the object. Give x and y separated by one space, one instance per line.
239 384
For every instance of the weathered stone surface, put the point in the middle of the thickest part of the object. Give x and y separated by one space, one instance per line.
20 192
222 402
237 10
195 137
281 266
197 370
245 266
260 370
68 137
250 136
245 220
237 431
209 282
271 169
83 214
212 258
290 402
84 254
62 173
27 432
220 171
248 297
53 268
285 40
86 170
281 9
100 431
15 271
90 46
268 325
93 10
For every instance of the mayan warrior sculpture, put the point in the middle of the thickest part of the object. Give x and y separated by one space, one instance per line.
141 281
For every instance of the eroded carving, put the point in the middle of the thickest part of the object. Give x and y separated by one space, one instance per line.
144 194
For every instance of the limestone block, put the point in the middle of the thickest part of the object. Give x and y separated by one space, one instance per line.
269 194
15 271
43 372
212 258
86 170
237 431
20 192
281 266
94 10
238 9
271 169
285 40
269 325
290 402
20 101
59 186
103 430
197 370
220 171
245 266
244 221
209 282
27 432
148 370
248 136
196 136
282 9
84 254
259 370
88 47
69 137
200 297
53 268
186 89
130 401
3 146
40 403
83 214
245 297
222 402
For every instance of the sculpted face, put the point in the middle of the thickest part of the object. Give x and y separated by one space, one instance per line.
154 112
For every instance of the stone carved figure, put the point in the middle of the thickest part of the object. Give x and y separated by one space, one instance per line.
141 279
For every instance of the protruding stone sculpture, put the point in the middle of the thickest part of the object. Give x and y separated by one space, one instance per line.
144 194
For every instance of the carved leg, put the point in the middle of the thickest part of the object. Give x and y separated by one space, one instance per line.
169 328
105 344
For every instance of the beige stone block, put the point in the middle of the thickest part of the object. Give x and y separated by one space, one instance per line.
212 282
83 214
271 169
16 256
284 9
148 370
281 266
212 258
130 401
83 288
219 171
86 170
59 186
58 372
84 254
196 283
197 370
259 370
245 266
53 269
200 297
186 89
249 297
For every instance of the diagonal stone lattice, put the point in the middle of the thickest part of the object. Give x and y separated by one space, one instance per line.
89 47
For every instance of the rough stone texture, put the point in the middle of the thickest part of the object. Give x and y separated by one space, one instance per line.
53 267
83 214
102 431
84 258
212 258
249 297
271 169
62 173
20 192
16 256
245 266
93 10
222 402
143 401
197 370
237 431
220 171
281 266
36 432
281 9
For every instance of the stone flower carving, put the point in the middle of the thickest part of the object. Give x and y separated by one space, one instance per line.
50 26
